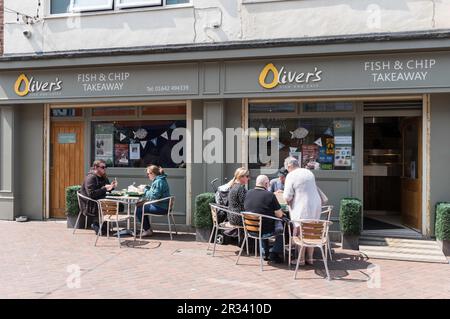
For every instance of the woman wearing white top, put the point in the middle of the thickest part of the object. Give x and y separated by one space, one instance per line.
300 192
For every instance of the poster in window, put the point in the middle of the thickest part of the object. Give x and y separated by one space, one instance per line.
104 147
135 151
310 156
121 154
343 156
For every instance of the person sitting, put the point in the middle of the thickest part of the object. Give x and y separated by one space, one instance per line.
261 201
277 184
95 186
158 189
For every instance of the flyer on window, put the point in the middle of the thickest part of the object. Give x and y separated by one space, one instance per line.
121 154
135 151
104 147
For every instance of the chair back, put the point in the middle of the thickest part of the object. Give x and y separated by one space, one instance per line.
326 212
252 224
108 208
81 197
313 231
214 210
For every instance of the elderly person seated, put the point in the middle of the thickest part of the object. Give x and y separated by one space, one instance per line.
261 201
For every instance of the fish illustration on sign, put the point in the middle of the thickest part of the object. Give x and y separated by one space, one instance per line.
140 133
299 132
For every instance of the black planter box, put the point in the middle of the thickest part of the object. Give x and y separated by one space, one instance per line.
350 242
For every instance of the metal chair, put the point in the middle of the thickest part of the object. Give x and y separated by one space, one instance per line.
326 212
169 213
253 229
313 233
109 213
221 226
81 197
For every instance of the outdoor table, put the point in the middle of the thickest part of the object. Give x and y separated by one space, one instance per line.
130 200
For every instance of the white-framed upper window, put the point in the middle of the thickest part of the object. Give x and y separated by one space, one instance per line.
137 3
90 5
69 6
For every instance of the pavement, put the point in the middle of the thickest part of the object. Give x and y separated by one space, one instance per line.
43 260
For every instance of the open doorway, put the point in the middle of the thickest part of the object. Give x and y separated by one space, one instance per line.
392 175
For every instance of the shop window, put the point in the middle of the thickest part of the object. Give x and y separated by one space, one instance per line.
114 111
328 107
164 110
66 113
318 143
273 108
136 143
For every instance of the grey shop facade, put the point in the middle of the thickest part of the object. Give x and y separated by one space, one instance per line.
371 125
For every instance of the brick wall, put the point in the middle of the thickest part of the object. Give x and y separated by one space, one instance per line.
1 27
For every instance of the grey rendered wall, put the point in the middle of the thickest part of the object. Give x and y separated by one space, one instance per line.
233 119
197 169
440 152
28 170
6 162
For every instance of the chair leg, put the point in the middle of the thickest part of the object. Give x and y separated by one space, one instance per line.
170 227
242 248
296 266
98 233
246 244
118 232
256 248
107 230
284 250
329 249
76 223
215 241
260 254
174 225
290 252
85 222
325 262
210 237
142 226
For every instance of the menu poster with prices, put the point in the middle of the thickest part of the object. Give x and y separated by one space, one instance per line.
343 140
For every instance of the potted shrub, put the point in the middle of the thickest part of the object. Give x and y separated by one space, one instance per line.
442 229
72 208
202 216
350 222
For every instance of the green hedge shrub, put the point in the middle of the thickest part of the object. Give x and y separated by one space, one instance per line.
442 221
350 216
72 208
202 215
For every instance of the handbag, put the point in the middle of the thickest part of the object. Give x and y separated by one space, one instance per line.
323 197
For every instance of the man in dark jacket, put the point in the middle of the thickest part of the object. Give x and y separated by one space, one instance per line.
95 186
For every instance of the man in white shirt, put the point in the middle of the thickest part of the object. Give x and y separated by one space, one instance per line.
300 192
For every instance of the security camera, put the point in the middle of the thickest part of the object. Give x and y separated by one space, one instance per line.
27 33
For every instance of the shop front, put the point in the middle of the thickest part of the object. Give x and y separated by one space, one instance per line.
370 126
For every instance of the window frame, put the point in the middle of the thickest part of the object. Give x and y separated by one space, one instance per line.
138 4
106 7
114 9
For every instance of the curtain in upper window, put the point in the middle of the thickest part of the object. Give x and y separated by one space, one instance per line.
91 5
137 3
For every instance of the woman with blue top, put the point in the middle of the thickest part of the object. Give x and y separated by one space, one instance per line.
159 188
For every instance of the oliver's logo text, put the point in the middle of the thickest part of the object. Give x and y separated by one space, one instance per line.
25 85
283 77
